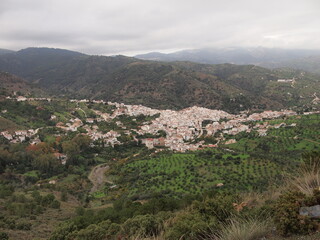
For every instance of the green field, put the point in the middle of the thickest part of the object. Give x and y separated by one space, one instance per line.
285 142
195 173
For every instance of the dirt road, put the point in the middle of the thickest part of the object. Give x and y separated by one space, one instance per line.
97 176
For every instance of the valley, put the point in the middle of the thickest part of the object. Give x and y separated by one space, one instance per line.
116 147
159 120
92 153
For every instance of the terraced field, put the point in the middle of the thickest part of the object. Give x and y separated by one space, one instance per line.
305 136
195 173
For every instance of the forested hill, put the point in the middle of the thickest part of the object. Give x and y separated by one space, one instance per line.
161 85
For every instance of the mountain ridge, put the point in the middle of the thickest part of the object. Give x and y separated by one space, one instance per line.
162 85
265 57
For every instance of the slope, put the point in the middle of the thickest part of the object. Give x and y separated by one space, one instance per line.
10 84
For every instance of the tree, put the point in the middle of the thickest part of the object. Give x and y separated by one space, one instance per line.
46 163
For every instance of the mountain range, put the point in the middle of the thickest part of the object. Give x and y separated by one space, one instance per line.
158 84
302 59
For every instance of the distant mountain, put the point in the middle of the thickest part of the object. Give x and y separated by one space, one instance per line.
5 51
173 85
27 62
310 64
266 57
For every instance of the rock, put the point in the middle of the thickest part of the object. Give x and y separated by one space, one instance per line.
52 182
313 211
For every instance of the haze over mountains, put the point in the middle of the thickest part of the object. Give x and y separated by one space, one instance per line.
173 85
304 59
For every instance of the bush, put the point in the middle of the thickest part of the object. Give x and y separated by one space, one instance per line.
142 225
4 236
286 215
55 204
23 226
91 232
62 232
64 196
186 225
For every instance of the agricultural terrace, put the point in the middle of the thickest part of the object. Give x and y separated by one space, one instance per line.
194 173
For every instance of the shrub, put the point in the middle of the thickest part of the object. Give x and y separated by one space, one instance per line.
286 215
91 232
186 225
64 196
4 236
142 225
113 229
63 231
55 204
23 226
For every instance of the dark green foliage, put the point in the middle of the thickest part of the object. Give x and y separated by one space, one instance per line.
201 218
5 190
137 218
142 225
55 204
62 232
23 226
22 206
286 215
4 236
93 231
64 196
12 223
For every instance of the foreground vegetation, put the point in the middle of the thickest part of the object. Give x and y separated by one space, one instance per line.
214 215
250 189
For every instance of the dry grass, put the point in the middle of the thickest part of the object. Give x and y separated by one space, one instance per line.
240 229
147 238
307 180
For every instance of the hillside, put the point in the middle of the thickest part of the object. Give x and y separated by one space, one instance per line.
10 84
161 85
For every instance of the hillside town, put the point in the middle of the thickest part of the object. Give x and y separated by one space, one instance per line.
183 129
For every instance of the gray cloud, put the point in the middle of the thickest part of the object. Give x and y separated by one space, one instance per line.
126 26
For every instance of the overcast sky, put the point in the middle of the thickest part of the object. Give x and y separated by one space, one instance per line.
136 26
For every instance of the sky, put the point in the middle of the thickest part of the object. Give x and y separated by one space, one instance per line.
129 27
